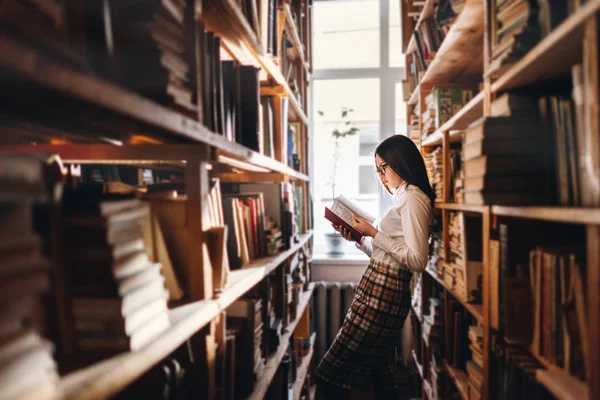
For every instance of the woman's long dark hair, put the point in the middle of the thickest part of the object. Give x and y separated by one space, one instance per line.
403 157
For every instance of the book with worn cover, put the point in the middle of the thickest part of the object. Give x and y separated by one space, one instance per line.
341 212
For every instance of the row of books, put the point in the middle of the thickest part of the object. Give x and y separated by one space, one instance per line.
533 151
553 283
519 25
150 47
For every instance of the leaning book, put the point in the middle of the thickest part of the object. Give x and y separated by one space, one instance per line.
341 212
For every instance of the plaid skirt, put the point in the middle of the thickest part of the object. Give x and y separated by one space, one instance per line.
364 346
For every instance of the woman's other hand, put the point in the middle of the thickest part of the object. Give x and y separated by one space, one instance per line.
363 226
343 231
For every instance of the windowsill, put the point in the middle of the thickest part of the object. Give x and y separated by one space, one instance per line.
343 260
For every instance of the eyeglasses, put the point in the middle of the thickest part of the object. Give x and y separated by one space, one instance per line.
381 169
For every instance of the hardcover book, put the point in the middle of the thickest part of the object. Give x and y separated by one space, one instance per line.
341 212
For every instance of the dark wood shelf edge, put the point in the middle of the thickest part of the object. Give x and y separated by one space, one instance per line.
574 215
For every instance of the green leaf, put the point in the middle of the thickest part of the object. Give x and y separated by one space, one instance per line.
321 113
344 113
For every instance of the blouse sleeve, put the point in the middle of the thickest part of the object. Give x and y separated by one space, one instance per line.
367 245
412 249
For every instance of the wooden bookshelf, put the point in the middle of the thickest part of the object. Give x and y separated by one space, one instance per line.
472 111
227 20
260 387
460 53
476 310
562 385
462 56
108 377
460 380
302 370
553 56
293 32
149 135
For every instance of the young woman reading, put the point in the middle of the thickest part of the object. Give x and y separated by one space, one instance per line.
363 350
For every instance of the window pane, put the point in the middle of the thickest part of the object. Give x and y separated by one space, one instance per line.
367 181
361 95
400 111
346 34
396 56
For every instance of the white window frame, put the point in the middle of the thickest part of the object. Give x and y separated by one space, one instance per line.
388 78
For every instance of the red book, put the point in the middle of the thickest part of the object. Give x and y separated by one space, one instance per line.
341 212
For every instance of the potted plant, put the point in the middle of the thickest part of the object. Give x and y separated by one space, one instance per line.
343 128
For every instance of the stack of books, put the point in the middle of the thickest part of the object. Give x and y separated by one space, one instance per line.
27 369
496 171
517 30
118 298
152 43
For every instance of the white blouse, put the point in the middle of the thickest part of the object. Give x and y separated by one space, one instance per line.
403 234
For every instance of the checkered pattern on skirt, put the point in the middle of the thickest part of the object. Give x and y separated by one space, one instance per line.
365 344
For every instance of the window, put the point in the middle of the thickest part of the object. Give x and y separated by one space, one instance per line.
346 34
356 63
395 42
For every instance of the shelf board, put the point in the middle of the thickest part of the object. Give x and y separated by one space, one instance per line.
461 207
460 379
426 12
106 378
156 154
261 387
461 52
472 111
553 56
562 385
302 370
476 310
570 215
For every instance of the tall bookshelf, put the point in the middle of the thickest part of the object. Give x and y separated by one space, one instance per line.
464 59
149 135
